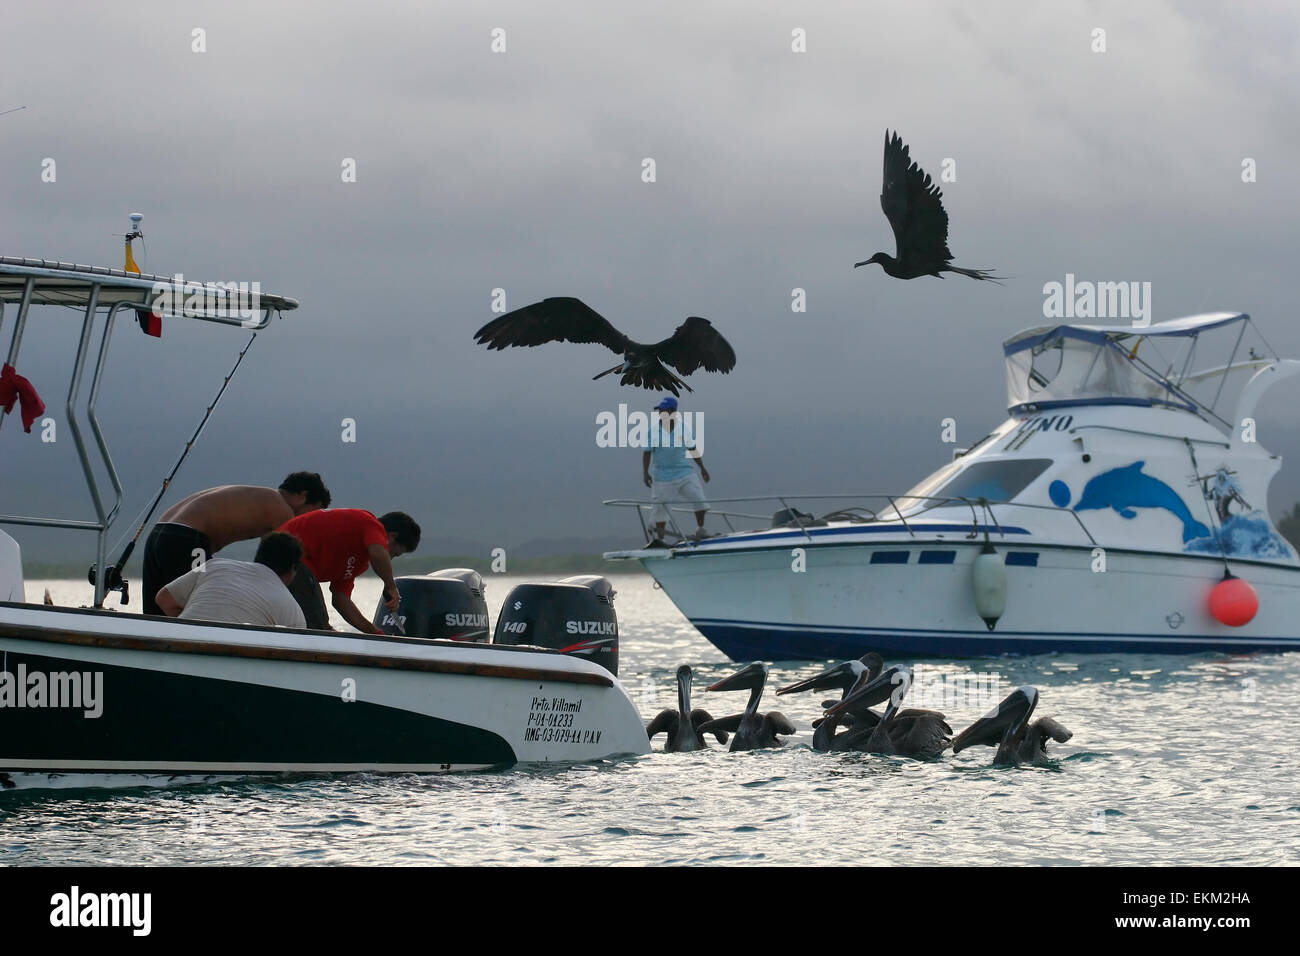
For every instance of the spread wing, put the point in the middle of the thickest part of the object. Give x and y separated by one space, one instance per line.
1051 727
780 723
559 319
700 717
664 723
913 205
696 344
923 735
722 724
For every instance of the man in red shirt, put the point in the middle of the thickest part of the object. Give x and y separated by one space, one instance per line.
337 546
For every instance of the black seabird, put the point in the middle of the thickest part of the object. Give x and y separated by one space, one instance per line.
909 732
1007 727
683 735
845 676
694 344
913 205
752 730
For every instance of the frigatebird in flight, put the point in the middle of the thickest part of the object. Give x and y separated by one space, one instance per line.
695 343
913 205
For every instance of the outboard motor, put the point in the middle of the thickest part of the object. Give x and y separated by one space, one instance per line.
575 616
447 604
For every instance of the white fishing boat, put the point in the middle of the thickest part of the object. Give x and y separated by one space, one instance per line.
1102 516
97 691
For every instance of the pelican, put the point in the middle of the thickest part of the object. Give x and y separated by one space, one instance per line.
683 735
694 344
914 207
752 730
845 676
1008 728
907 732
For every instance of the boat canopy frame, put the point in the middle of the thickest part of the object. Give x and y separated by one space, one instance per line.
93 289
1167 387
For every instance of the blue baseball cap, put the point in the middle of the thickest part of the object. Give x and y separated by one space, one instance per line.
669 404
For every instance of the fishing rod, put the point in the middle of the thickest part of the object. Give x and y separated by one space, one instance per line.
113 580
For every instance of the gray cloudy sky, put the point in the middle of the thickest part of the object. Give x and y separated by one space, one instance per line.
522 170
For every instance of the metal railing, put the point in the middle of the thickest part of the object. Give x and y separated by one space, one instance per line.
89 302
913 506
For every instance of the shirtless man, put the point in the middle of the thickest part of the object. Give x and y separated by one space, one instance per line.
209 520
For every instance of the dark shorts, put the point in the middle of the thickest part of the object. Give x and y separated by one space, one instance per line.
169 553
306 591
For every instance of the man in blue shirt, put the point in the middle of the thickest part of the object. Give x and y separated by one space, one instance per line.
668 468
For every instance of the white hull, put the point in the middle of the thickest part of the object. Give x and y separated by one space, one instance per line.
752 605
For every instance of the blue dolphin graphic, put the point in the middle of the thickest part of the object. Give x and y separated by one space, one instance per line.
1127 488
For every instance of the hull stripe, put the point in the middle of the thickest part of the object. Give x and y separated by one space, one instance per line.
174 645
27 765
698 553
746 642
996 635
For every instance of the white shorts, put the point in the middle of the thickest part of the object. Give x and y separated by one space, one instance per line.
688 490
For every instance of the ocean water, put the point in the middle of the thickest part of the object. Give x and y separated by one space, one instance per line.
1174 760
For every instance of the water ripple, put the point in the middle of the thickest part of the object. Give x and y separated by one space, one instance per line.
1174 760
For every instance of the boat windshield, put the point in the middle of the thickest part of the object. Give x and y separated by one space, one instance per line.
1055 366
995 480
1064 368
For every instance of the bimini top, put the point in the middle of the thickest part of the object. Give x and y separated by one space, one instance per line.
1187 325
1054 366
64 283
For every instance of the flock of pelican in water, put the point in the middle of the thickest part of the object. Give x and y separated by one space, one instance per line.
851 724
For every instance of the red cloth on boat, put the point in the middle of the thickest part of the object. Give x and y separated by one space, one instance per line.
13 387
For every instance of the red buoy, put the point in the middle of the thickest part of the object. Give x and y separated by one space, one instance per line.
1233 602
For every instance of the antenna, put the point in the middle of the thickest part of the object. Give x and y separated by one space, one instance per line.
135 233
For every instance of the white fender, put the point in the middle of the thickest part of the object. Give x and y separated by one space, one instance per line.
989 584
11 570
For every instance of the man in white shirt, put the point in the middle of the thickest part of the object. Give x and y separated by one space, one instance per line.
239 592
668 468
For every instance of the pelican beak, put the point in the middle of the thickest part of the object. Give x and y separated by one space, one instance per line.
873 692
747 678
1003 721
841 676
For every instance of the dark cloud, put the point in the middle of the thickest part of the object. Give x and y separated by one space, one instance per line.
521 171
